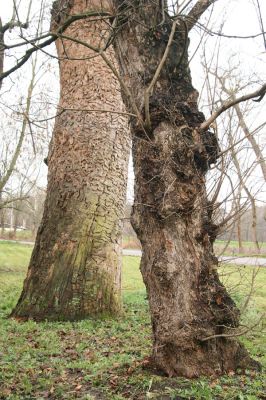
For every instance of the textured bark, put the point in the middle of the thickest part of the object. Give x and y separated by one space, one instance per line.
75 267
171 214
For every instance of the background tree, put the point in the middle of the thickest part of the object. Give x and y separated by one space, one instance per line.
9 26
242 151
23 141
21 147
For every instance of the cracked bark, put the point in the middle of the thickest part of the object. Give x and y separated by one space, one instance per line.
75 267
171 213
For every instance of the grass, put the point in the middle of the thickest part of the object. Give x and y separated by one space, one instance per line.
249 249
105 359
26 235
245 243
14 256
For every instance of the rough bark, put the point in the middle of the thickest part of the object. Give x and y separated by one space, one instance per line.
190 308
75 267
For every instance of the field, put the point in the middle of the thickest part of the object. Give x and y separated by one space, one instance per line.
131 242
25 235
107 359
231 248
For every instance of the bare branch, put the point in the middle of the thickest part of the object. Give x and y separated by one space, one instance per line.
243 332
52 39
230 103
113 69
16 154
261 23
194 15
101 110
227 36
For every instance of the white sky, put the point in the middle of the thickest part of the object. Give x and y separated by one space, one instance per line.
240 19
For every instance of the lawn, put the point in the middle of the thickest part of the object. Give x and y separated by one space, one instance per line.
231 248
106 359
26 235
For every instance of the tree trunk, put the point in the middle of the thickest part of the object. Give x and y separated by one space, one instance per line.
191 311
75 267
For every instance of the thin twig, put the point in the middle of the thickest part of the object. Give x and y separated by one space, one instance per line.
234 334
230 103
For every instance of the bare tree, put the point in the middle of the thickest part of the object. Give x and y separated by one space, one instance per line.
239 143
14 22
22 141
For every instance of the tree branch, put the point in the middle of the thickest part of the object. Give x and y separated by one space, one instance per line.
112 68
52 39
243 332
16 154
230 103
194 15
14 24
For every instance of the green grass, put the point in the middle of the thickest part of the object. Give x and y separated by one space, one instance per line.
14 256
245 243
20 235
105 359
249 249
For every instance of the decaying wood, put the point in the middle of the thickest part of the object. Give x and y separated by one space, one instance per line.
171 215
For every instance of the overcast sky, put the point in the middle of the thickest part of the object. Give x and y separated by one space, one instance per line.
241 19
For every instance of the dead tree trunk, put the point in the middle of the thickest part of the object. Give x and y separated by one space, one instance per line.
75 267
191 312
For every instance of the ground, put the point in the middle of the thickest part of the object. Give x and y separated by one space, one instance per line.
108 359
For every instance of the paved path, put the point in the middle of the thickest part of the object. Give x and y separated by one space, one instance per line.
255 261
